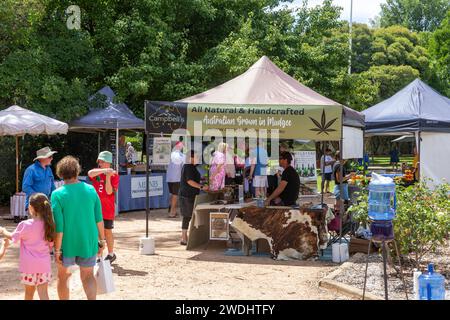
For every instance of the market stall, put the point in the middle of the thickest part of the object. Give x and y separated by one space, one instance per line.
417 110
108 116
264 98
17 121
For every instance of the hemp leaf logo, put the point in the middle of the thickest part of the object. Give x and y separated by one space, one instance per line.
323 126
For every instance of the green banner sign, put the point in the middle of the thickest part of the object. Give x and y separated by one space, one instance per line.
288 121
292 122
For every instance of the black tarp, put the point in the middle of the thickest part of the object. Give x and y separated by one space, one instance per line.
106 115
416 107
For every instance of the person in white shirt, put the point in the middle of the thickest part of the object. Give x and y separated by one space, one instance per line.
177 160
329 161
131 153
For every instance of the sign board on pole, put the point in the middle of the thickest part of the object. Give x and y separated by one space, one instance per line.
305 163
161 150
138 186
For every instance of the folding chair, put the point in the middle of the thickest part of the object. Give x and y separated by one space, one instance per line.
348 226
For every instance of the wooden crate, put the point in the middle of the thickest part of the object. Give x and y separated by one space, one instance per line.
360 245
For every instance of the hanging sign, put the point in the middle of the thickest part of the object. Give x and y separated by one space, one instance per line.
139 186
161 150
289 121
305 164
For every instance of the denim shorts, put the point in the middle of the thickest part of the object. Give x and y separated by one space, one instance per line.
82 262
337 192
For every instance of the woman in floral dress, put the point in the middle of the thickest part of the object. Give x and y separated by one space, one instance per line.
217 169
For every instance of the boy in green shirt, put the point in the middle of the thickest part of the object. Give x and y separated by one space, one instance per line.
79 228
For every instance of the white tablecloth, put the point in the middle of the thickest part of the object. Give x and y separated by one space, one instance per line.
17 204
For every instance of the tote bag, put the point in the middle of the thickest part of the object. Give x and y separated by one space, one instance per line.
104 277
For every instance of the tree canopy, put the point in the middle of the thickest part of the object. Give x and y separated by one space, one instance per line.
416 15
168 50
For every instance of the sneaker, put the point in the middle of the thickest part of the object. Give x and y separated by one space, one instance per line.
111 258
16 219
183 243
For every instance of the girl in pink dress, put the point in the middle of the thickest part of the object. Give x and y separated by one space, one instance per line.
36 239
217 169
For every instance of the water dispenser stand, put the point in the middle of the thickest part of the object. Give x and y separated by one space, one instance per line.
384 254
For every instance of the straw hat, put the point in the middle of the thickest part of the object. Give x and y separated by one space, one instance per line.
44 153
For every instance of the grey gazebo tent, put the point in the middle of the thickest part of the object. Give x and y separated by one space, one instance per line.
418 110
114 116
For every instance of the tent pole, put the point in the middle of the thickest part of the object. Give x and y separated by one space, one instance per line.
323 171
341 175
147 187
117 163
17 164
341 189
418 153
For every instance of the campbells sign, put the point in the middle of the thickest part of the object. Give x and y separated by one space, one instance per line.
290 121
164 117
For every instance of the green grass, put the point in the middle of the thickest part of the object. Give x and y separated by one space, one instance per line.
385 161
319 181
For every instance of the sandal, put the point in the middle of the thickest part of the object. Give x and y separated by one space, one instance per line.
172 217
183 243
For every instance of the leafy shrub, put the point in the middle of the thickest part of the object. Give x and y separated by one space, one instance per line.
422 222
360 209
423 219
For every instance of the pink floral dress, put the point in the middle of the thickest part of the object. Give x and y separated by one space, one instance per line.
216 174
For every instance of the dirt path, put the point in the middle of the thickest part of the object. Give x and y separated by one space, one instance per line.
174 273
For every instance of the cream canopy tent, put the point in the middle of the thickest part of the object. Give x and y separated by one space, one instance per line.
17 121
265 83
267 87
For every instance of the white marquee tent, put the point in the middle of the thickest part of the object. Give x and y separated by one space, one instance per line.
17 121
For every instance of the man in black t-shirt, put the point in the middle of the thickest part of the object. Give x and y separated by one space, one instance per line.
286 194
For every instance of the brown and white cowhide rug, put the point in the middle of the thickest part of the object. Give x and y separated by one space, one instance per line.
291 233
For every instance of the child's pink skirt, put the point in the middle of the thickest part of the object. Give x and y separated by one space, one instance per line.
35 279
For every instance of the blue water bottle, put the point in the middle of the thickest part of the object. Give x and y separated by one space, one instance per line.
431 285
382 201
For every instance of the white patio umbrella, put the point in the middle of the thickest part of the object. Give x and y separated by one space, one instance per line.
17 121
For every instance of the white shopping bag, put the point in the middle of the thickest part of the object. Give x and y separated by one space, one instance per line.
104 277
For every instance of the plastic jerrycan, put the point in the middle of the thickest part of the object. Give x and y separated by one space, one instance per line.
431 285
382 198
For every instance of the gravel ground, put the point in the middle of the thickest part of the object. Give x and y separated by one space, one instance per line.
353 274
175 273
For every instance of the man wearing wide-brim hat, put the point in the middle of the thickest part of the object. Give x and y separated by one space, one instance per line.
106 182
38 177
